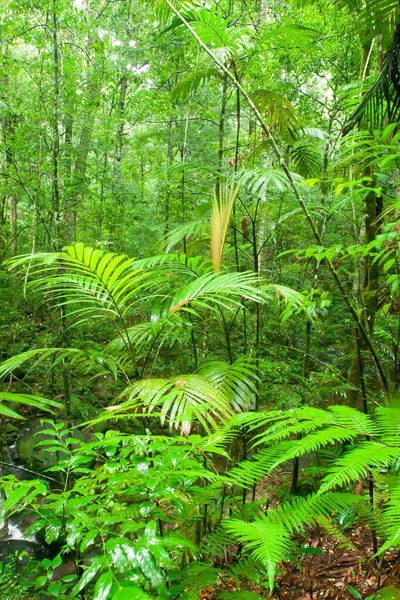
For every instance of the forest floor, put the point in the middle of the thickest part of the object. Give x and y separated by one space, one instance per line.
334 570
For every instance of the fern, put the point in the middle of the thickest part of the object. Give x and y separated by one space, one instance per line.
268 542
356 463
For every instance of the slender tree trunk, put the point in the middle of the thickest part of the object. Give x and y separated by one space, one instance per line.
368 293
76 188
10 197
68 214
118 200
221 133
170 155
56 132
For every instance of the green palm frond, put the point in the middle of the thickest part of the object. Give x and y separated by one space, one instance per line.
215 30
181 400
268 542
191 83
169 265
375 17
88 361
141 336
381 103
187 231
90 282
307 160
279 113
261 181
237 381
220 288
288 36
28 400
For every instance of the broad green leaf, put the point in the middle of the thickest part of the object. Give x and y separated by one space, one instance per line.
103 586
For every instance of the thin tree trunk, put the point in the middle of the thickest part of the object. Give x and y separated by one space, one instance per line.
56 133
118 200
10 197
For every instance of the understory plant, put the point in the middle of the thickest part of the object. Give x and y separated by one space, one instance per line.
163 516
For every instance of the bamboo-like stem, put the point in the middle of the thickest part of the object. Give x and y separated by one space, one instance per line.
295 190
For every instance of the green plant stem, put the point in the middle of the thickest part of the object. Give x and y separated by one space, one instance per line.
370 478
296 192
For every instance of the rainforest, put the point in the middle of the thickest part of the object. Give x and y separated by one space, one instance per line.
200 299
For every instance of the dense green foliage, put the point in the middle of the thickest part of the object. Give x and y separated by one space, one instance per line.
200 318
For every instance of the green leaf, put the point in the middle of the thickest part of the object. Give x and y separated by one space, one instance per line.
97 563
103 586
40 582
131 593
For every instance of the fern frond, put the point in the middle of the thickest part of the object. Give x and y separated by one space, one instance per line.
298 512
390 519
387 418
356 463
331 528
268 542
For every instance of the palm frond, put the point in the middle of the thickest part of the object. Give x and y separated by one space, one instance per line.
279 113
28 400
382 101
90 282
307 159
260 181
221 211
237 381
180 399
215 30
222 289
187 230
191 83
288 36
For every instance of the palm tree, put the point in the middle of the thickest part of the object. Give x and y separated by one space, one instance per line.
381 101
